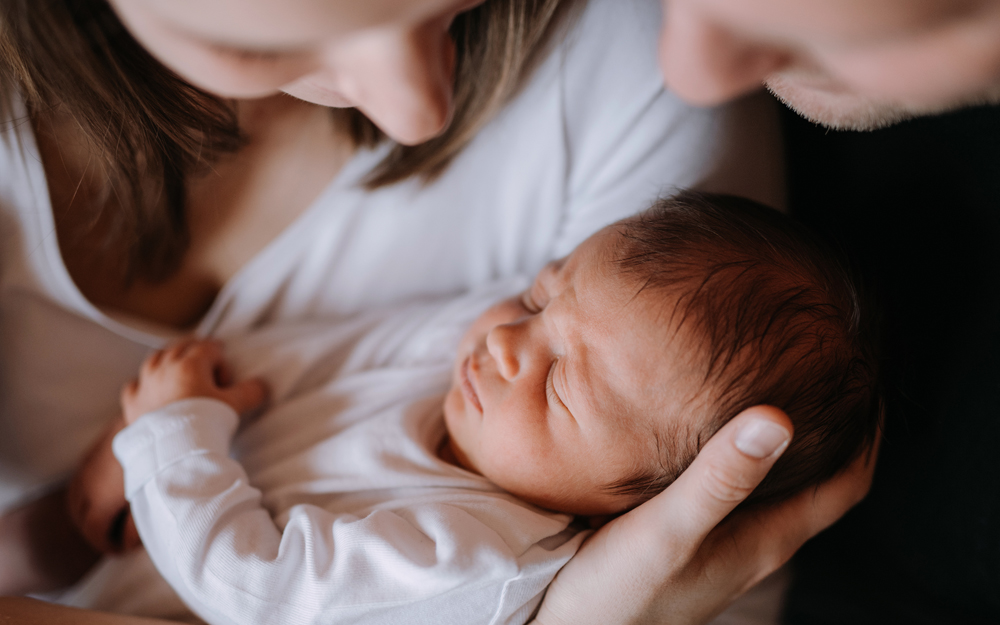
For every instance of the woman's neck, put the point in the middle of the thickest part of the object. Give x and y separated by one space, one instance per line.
233 210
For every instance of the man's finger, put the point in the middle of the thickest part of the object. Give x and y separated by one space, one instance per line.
725 472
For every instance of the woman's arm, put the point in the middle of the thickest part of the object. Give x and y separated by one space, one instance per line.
20 611
40 549
681 558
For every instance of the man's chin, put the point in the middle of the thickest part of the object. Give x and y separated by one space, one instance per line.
843 110
837 110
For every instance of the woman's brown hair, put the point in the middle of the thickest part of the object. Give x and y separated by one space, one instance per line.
149 130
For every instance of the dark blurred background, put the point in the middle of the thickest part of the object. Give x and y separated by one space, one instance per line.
917 206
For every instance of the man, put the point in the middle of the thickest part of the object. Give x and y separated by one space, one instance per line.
919 206
850 64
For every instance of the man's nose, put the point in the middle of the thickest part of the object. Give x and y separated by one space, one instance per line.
402 79
707 64
503 343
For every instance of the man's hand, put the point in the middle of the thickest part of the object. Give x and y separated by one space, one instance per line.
680 558
187 370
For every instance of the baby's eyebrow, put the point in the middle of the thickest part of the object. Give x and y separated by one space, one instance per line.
549 273
532 290
539 291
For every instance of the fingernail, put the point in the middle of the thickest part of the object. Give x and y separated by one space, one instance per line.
761 438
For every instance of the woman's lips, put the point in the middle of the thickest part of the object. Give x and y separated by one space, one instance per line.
467 387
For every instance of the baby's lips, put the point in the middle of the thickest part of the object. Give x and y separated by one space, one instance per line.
468 384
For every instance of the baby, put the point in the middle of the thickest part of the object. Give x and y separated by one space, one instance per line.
585 394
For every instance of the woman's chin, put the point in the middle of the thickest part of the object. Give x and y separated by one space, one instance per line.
317 95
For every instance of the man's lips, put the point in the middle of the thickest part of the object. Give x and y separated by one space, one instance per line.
467 387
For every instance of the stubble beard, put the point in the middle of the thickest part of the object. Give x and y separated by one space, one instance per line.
839 110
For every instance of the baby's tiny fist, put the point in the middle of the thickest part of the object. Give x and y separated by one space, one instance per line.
182 371
189 369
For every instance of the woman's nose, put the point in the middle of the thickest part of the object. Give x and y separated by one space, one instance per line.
502 342
402 79
705 63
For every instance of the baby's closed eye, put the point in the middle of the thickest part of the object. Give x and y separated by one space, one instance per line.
550 387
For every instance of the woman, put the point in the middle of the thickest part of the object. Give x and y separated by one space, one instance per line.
468 141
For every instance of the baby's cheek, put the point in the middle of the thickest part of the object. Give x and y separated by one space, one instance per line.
451 407
511 461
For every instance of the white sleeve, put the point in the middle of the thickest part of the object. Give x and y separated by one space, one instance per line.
633 141
205 529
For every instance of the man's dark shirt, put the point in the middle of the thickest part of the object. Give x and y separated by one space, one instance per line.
918 207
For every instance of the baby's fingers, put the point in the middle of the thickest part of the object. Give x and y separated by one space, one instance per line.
247 396
206 355
152 362
179 349
129 390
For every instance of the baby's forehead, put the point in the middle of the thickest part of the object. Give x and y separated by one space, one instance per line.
642 363
638 371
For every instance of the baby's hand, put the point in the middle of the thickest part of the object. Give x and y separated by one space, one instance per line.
189 369
96 498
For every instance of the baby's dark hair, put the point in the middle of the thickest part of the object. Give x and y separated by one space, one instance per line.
774 317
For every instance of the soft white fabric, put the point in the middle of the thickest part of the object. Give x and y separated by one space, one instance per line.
592 138
356 519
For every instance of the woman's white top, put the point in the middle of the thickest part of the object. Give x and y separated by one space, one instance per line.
592 138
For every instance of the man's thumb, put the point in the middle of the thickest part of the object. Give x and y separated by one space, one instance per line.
728 468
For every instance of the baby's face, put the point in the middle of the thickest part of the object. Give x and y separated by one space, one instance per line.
560 392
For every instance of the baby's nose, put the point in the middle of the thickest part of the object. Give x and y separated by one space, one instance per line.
501 343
